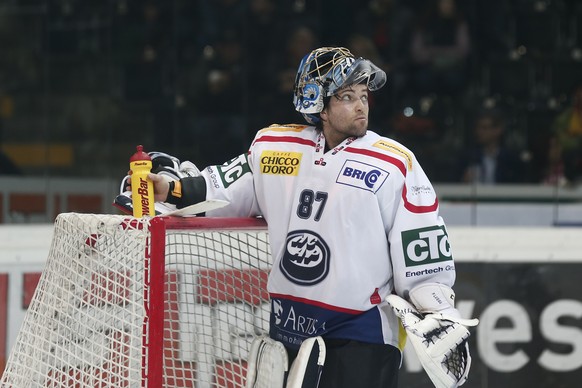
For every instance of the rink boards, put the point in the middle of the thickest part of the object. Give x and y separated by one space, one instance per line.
522 283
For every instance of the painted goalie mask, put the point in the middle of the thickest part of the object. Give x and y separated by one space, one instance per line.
326 70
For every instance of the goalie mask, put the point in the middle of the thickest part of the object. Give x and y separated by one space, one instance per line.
326 70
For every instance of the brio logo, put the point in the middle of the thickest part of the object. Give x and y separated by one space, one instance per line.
362 175
426 246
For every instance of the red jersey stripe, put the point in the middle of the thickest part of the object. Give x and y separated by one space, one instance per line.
396 162
418 209
402 167
317 304
285 139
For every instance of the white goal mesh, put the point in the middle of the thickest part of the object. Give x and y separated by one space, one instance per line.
162 302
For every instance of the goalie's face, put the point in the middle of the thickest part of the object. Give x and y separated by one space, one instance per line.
346 114
325 72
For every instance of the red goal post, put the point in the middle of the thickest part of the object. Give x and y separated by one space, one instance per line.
160 302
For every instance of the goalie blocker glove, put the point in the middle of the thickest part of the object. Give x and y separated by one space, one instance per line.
437 333
165 165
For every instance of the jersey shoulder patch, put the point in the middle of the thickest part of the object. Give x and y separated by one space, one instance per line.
397 149
284 128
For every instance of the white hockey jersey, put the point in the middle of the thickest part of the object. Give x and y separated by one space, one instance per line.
347 227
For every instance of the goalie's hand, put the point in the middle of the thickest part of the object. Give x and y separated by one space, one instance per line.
161 187
439 341
165 168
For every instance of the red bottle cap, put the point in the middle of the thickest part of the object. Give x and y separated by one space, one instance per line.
139 155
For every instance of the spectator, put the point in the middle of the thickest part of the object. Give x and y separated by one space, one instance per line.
490 160
553 170
387 23
216 84
567 127
263 24
214 91
301 39
7 166
363 46
440 48
143 47
263 38
217 16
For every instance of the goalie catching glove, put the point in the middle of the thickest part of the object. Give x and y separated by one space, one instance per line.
165 165
436 332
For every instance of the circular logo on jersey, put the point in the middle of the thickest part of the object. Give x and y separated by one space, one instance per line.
306 258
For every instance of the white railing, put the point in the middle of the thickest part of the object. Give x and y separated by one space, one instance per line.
39 199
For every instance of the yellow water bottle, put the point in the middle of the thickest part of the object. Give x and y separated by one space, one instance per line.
142 188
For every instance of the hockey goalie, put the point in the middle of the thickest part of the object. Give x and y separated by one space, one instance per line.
352 219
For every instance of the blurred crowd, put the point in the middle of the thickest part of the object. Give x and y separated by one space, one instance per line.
485 91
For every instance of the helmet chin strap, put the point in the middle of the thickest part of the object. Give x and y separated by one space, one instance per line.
312 118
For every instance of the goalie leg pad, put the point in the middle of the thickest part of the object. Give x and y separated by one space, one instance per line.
306 370
267 364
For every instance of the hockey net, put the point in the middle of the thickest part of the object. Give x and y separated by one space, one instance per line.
161 302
